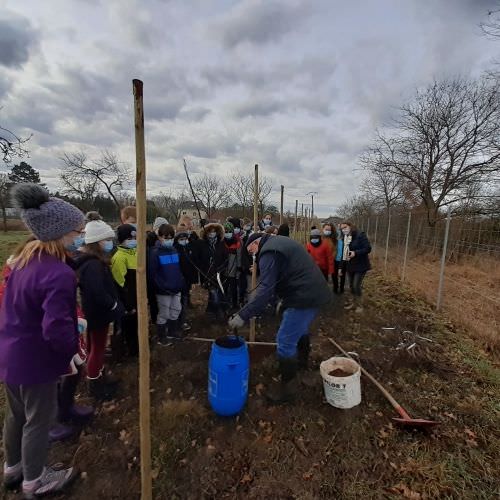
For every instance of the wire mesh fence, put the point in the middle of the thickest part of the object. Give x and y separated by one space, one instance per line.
454 264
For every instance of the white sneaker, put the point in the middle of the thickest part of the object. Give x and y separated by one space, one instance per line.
52 481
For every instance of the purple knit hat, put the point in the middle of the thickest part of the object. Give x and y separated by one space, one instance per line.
46 217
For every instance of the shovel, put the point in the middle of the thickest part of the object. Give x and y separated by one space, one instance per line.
405 420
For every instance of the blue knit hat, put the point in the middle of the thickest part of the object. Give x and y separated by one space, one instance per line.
47 218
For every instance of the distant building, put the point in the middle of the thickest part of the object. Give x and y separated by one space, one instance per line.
189 210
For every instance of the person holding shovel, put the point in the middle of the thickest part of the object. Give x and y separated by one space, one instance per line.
287 271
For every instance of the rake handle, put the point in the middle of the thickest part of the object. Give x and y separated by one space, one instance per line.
380 387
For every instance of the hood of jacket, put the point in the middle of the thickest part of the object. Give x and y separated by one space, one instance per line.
213 227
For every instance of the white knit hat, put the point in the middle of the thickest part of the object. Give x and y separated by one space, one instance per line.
98 230
159 221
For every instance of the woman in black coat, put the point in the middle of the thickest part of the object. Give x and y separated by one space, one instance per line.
356 247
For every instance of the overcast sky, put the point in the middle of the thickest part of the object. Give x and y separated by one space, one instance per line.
297 86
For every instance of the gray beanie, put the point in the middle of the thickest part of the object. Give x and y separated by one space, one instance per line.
159 221
46 217
315 232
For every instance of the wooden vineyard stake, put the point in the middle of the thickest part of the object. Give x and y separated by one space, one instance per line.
281 204
142 305
255 228
295 227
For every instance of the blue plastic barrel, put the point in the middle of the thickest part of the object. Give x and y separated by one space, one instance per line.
228 375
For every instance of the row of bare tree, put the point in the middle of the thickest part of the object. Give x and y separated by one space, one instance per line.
86 179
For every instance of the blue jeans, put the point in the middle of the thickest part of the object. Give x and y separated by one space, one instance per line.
295 324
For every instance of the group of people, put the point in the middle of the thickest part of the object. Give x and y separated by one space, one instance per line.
73 283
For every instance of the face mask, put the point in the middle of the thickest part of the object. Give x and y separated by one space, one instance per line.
228 236
183 242
267 222
247 228
237 230
130 244
167 243
107 246
212 235
78 242
189 232
346 231
314 240
327 232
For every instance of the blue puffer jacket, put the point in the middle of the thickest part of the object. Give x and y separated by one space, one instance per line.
360 263
164 271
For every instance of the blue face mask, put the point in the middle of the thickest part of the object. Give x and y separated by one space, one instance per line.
228 236
167 243
314 240
327 232
130 244
237 230
267 222
107 246
183 242
78 242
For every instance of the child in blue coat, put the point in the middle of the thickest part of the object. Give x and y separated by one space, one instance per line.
166 279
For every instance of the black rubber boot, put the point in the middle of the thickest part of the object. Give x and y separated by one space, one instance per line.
173 330
101 390
303 351
285 390
161 333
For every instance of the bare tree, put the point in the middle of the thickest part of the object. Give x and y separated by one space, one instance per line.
356 208
5 185
171 204
491 27
445 140
265 188
212 192
12 146
242 190
79 174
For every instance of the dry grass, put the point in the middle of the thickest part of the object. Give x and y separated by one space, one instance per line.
471 293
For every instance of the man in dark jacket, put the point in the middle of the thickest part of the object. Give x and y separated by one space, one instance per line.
356 250
289 272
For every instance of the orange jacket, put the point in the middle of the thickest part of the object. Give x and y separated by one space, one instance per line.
322 255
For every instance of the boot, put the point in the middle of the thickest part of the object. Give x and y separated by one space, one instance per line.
173 330
67 409
303 351
285 390
161 331
61 432
101 390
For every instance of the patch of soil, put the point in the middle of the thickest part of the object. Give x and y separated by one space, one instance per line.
307 449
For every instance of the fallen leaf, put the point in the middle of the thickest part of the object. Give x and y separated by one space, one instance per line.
450 415
299 443
268 438
402 489
379 414
155 473
259 389
307 476
247 478
471 434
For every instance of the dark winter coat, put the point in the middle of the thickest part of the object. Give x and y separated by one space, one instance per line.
213 256
99 297
359 244
188 260
165 270
287 270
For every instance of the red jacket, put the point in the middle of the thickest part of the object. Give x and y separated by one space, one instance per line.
322 255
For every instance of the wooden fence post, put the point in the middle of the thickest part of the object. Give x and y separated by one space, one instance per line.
255 228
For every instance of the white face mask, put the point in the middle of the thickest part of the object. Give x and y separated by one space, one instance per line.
212 235
346 231
237 230
314 240
327 232
267 222
228 236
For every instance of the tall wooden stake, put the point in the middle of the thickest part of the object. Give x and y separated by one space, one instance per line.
142 305
302 223
255 228
281 206
295 228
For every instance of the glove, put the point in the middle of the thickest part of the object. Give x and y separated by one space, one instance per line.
235 322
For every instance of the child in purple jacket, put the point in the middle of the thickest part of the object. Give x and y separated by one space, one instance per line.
38 338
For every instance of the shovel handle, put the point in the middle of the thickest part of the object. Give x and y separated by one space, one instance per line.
381 388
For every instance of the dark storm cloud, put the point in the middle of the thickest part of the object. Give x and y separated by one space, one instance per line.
17 39
258 106
260 21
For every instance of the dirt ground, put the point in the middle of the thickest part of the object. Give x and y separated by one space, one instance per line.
308 450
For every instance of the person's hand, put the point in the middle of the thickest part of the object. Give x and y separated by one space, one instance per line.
352 254
235 322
